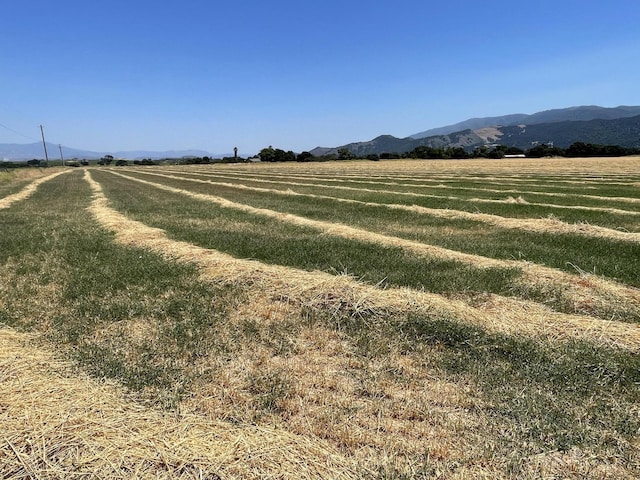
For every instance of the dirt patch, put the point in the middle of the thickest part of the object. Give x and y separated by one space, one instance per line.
488 134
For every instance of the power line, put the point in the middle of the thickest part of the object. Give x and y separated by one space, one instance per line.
16 132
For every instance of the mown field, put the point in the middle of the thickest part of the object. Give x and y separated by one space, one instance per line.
390 320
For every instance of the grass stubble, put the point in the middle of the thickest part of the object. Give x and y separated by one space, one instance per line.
372 383
586 293
538 225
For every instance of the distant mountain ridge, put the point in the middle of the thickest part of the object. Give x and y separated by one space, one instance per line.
560 127
571 114
17 152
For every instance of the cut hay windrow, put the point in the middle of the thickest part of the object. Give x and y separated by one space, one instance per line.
27 191
508 200
575 170
538 225
430 178
59 424
330 293
584 291
449 187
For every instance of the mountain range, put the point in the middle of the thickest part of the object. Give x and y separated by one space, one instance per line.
571 114
17 152
560 127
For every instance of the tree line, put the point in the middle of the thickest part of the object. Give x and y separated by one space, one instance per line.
270 154
577 149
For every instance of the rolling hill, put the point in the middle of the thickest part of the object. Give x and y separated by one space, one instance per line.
571 114
623 130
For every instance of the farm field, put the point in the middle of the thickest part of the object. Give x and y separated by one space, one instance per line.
391 320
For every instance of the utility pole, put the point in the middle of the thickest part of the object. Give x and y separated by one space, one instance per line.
61 157
44 144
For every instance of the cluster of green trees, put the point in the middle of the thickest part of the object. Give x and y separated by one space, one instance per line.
271 154
577 149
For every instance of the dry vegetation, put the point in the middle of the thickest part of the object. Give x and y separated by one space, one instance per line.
59 423
239 368
37 177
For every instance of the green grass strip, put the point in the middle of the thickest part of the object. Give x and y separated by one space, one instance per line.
65 276
247 235
625 222
569 252
469 190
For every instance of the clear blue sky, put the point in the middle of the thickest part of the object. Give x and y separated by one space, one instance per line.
206 74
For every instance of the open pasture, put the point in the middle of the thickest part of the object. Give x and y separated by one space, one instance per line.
399 319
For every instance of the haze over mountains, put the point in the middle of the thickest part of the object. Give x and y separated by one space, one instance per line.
16 152
560 127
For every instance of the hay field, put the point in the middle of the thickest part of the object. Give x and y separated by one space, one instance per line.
399 319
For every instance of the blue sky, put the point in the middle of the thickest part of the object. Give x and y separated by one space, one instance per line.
211 75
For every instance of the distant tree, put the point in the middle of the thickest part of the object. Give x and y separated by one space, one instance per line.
271 154
345 154
145 161
267 154
580 149
106 160
34 163
121 163
544 150
304 157
458 153
495 153
480 152
513 151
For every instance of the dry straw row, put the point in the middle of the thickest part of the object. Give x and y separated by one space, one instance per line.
508 200
417 175
537 225
578 171
27 191
60 424
319 290
425 183
585 291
